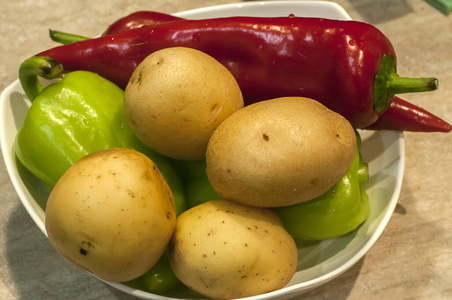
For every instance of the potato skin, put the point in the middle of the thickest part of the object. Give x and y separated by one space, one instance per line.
112 213
225 250
279 152
176 98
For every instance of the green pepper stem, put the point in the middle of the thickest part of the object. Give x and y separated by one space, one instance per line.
65 38
400 85
388 83
33 67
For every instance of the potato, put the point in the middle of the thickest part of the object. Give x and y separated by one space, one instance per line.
112 213
279 152
225 250
176 98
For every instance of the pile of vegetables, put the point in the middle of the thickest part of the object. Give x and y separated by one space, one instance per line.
178 159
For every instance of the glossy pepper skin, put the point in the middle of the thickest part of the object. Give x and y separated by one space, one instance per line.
404 116
73 117
196 183
160 279
338 211
139 19
334 62
400 115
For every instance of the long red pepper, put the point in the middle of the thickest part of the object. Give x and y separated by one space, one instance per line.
404 116
400 115
338 63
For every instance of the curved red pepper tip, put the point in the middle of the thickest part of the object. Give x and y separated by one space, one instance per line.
404 116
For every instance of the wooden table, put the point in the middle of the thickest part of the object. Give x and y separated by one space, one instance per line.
411 260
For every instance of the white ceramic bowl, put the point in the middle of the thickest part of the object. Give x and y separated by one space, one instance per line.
318 262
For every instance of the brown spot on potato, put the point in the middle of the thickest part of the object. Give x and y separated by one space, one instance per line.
84 249
265 137
87 243
161 60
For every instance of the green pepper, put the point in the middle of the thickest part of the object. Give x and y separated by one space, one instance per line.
196 184
159 280
75 116
338 211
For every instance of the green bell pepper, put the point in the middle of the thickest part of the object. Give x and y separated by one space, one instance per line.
75 116
196 184
159 280
338 211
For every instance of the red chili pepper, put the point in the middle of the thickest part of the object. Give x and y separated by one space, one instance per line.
139 19
404 116
348 66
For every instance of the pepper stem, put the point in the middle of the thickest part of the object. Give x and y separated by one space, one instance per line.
388 83
65 38
33 67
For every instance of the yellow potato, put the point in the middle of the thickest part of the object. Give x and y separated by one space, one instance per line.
112 213
225 250
176 98
279 152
